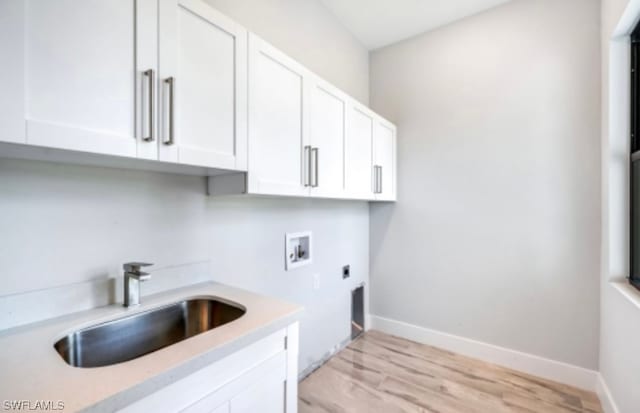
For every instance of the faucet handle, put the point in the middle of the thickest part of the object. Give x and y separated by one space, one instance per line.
135 267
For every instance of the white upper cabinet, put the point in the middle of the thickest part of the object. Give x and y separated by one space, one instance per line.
277 122
384 155
178 82
358 155
203 78
78 66
153 79
328 108
12 116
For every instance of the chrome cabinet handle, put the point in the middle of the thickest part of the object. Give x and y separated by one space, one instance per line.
172 84
314 153
151 85
306 167
375 179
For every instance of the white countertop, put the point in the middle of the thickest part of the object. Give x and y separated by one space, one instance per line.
31 369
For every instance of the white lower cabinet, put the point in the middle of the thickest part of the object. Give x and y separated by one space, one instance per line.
263 389
261 377
225 408
266 396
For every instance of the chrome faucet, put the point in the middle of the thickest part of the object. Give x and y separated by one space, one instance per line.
132 279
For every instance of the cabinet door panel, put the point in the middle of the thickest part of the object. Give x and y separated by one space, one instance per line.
225 408
214 384
277 135
265 396
12 71
359 154
385 155
327 130
81 73
205 54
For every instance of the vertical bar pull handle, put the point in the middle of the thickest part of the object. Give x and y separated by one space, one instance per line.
151 85
171 82
314 153
306 166
375 179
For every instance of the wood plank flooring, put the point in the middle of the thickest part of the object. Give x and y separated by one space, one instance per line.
387 374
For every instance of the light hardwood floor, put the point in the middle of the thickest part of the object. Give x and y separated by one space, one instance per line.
383 373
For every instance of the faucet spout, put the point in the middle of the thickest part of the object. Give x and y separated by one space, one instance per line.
132 278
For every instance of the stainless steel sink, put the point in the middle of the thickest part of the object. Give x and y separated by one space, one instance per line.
131 337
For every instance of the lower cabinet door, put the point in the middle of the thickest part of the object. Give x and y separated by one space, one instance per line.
235 382
259 390
265 396
224 408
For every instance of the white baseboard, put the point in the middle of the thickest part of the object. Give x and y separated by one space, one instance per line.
528 363
606 399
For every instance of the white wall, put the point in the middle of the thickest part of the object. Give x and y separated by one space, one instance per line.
620 317
64 224
496 234
309 33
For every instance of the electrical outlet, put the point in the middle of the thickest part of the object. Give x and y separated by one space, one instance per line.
316 281
346 272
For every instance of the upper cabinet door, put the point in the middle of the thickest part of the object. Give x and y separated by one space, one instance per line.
359 153
203 78
278 143
12 98
384 138
328 107
77 69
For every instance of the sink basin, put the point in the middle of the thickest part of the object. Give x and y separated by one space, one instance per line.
131 337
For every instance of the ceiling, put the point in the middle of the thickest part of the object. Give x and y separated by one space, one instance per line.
377 23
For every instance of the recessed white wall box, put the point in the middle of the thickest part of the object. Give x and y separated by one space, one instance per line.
297 249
